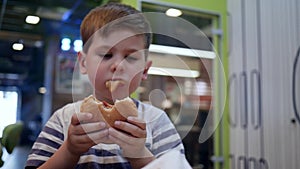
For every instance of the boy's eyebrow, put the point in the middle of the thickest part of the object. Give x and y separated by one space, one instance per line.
132 50
105 47
108 47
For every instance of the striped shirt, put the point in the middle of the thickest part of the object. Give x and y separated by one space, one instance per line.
161 137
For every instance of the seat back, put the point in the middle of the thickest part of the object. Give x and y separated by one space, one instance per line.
11 136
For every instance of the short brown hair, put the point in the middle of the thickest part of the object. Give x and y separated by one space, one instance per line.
100 17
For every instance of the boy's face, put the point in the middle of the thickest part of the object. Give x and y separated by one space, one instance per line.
117 57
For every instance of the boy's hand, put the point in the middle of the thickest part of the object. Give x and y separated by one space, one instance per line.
83 134
131 137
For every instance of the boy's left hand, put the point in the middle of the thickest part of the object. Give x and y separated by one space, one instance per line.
131 137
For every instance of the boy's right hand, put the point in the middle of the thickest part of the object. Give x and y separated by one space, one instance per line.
83 134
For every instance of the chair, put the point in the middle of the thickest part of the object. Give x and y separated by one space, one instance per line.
10 138
1 153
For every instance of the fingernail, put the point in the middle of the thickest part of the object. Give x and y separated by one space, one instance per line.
130 118
102 124
89 115
117 123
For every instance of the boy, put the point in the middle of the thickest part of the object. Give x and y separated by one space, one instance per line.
116 38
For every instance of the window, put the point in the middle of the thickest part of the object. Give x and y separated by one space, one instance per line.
9 103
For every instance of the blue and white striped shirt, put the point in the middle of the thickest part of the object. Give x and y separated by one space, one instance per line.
161 137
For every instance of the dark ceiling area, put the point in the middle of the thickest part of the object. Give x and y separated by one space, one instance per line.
57 17
67 12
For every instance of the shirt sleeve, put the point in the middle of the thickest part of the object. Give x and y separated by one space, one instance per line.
48 141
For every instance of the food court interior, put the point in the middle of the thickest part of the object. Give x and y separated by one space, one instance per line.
204 84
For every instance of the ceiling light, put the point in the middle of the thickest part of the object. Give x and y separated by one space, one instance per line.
173 72
18 46
38 44
43 90
173 12
32 19
65 44
77 45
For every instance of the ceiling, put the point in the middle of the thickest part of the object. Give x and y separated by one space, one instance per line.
57 17
68 12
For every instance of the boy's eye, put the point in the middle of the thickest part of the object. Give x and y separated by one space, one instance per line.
131 58
106 56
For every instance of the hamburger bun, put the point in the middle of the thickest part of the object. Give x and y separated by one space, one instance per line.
103 111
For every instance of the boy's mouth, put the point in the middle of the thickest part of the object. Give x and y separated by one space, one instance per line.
112 85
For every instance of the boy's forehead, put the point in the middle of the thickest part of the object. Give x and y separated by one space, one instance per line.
113 38
115 35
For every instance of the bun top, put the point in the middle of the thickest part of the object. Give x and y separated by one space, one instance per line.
87 105
126 107
104 111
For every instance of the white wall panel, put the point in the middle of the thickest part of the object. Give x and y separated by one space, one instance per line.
264 40
237 144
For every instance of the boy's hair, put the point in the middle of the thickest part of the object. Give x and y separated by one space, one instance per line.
113 16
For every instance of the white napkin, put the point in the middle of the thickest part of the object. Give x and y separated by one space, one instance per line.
172 159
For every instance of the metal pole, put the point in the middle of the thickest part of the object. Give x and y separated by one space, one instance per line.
2 12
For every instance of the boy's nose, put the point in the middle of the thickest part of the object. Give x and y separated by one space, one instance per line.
117 65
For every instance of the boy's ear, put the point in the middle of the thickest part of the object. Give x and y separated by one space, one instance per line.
82 62
145 72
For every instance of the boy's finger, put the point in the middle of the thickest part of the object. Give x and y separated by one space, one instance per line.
131 129
98 137
78 118
137 122
93 127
